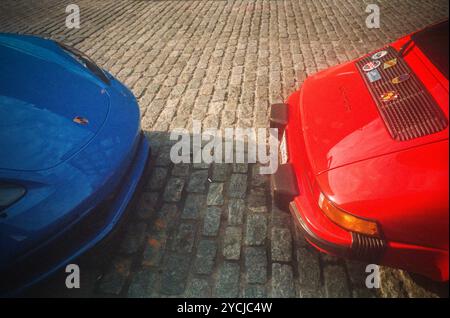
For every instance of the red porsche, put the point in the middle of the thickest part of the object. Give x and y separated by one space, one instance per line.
364 156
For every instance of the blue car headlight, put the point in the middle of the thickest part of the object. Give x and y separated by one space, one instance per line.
10 193
86 61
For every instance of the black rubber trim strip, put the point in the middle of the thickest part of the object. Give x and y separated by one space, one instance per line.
90 65
311 236
363 248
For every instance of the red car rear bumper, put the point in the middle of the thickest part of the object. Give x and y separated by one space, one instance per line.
294 188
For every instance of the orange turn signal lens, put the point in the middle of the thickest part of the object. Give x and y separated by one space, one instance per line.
346 220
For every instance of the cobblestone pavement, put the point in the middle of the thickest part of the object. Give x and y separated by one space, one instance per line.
211 230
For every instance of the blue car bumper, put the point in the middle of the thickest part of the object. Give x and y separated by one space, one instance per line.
83 233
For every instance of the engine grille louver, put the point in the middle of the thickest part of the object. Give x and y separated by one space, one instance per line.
414 113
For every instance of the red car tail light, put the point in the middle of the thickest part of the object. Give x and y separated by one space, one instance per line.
346 220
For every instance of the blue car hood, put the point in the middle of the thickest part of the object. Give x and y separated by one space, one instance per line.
42 90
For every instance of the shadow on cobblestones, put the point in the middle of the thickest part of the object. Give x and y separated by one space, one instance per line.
178 243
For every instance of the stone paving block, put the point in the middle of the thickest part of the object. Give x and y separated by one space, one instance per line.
212 221
198 288
143 284
201 165
166 218
173 190
206 254
336 285
154 248
240 168
257 201
232 243
237 187
134 238
392 284
174 276
227 281
215 194
254 291
236 210
281 244
282 281
255 265
357 273
158 178
309 271
256 229
417 288
180 170
197 181
163 158
147 204
183 240
193 206
220 172
281 218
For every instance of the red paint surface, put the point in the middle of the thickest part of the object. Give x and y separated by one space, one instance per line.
339 145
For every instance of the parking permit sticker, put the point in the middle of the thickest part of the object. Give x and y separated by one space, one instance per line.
371 66
379 55
389 96
373 76
400 79
390 63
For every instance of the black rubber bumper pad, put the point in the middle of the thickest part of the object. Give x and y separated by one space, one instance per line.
284 186
278 115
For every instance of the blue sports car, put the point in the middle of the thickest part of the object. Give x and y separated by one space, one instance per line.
72 155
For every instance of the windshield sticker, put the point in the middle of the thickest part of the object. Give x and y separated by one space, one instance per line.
400 79
390 63
379 55
389 96
373 76
371 66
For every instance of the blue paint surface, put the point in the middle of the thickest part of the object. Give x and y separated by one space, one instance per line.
79 178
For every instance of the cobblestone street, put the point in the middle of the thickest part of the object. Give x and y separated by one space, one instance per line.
211 230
